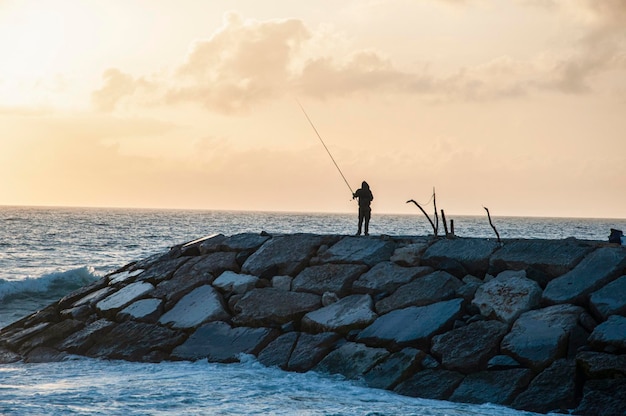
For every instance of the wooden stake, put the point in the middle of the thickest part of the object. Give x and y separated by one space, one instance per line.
493 226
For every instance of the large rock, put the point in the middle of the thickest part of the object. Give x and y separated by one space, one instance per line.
594 271
610 335
551 257
162 269
336 278
386 277
410 254
147 310
507 296
469 348
610 300
80 341
541 336
211 243
244 242
310 349
498 387
472 253
283 255
351 312
369 251
273 307
50 335
218 342
601 365
412 325
277 352
351 360
394 369
603 397
431 384
553 390
124 296
203 304
425 290
231 282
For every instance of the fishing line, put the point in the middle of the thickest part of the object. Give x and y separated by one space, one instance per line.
324 144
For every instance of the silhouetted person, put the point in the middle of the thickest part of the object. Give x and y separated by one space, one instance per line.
365 197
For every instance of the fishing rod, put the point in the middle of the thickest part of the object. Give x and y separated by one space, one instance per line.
324 144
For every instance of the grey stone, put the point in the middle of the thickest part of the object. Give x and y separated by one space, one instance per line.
120 277
502 362
277 352
425 290
507 296
369 251
337 278
469 348
283 255
601 365
412 325
80 341
351 312
231 282
603 397
124 297
162 269
272 307
499 387
45 355
94 297
205 268
218 342
394 369
148 310
244 242
211 244
310 349
8 356
387 277
351 360
610 334
541 336
410 254
328 298
203 304
431 384
282 282
609 300
472 253
594 271
51 334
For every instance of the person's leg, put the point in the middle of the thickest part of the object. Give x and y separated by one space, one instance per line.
361 216
367 221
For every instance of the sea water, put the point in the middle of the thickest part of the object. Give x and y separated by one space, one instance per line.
46 253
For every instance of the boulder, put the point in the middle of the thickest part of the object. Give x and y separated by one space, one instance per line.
125 276
351 312
502 362
147 310
231 282
472 253
469 348
553 390
203 304
94 297
431 384
283 255
601 365
603 397
80 341
351 360
162 269
277 352
218 342
609 300
412 325
45 355
50 335
282 282
610 335
386 277
337 278
310 349
369 251
498 387
539 337
211 244
244 242
432 288
507 296
124 297
592 273
205 268
273 307
8 356
410 254
394 369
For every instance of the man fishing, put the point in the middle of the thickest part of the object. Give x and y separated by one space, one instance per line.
365 196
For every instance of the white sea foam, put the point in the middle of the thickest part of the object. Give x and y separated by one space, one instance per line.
50 286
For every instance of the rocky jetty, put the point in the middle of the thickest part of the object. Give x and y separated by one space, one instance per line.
536 325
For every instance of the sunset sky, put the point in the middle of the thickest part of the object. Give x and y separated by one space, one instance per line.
516 105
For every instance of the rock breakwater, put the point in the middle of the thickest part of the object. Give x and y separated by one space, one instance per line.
538 325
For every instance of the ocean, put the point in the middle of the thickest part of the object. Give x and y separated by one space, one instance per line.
46 253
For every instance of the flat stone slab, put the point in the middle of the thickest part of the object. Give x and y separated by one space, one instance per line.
592 273
412 325
472 253
361 250
218 342
431 384
124 296
507 296
395 368
148 310
162 269
231 282
351 312
610 334
386 277
120 277
94 297
498 387
610 300
203 304
351 360
79 342
272 307
336 278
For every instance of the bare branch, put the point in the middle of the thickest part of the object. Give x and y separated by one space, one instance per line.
493 226
424 212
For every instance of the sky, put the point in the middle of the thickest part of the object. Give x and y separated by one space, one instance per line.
514 105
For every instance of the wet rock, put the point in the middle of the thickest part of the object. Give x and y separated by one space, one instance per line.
147 310
79 342
360 250
410 254
499 387
394 369
426 290
125 276
603 397
310 349
8 356
601 365
351 312
507 296
337 278
351 360
610 334
272 307
472 253
51 334
277 352
202 304
592 273
412 325
553 390
610 300
231 282
387 277
218 342
541 336
45 355
431 384
75 296
94 297
468 349
124 297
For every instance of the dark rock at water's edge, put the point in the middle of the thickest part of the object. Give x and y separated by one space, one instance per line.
538 325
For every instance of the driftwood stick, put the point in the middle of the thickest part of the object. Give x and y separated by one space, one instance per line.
436 216
445 224
425 214
452 227
492 226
